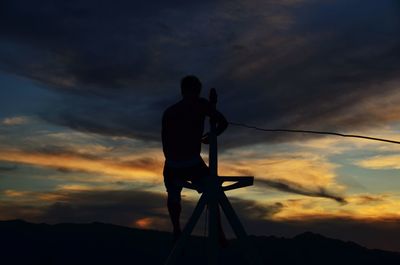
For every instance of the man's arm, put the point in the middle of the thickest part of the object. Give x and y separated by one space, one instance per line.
222 124
221 121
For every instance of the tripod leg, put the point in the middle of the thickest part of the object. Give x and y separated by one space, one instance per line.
212 246
179 245
249 252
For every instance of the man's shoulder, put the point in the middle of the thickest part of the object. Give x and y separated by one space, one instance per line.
172 107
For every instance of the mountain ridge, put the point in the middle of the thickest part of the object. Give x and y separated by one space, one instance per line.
97 243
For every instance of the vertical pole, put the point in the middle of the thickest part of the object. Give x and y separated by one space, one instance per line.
213 149
212 199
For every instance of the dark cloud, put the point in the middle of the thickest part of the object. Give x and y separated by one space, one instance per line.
118 207
370 199
292 187
253 210
8 168
55 150
293 64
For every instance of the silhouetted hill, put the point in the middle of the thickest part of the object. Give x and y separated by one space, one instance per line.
97 243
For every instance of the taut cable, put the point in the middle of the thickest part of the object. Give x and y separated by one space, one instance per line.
315 132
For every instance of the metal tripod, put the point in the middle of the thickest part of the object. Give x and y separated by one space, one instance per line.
214 196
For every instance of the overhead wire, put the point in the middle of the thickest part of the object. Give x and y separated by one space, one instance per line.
315 132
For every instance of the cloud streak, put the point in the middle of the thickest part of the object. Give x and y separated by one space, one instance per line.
292 187
67 160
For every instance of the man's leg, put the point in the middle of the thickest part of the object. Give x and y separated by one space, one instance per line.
174 209
173 200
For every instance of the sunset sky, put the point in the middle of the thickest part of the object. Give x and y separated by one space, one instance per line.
83 85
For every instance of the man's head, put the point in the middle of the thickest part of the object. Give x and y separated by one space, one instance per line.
190 86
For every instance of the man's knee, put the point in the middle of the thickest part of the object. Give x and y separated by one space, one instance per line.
174 198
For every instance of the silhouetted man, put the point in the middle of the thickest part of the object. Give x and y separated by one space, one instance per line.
182 135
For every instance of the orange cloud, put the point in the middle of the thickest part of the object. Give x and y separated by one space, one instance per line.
359 207
15 193
306 169
144 223
32 197
146 166
380 162
17 120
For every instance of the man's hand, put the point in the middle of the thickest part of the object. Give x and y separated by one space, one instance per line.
205 139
